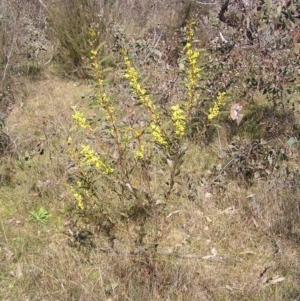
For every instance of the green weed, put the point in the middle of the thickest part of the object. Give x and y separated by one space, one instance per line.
40 216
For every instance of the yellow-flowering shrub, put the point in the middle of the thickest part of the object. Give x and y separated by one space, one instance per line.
118 167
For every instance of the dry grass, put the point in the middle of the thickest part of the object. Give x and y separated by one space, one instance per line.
218 246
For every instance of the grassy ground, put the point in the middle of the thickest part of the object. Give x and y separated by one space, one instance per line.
227 242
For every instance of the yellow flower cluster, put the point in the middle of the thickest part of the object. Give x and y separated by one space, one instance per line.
139 154
92 34
157 134
78 198
155 126
81 120
193 72
215 110
90 158
179 120
94 54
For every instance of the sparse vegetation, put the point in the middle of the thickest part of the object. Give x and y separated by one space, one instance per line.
149 198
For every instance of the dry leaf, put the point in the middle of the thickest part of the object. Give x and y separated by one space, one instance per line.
9 255
255 222
276 279
19 269
228 210
234 112
208 219
247 252
208 195
172 213
18 274
239 118
214 253
272 280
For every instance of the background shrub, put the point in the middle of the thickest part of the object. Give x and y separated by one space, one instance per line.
71 22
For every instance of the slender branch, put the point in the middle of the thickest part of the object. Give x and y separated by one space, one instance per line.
44 6
7 60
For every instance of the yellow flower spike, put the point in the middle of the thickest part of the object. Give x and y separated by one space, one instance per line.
77 197
193 73
101 97
215 110
179 120
141 93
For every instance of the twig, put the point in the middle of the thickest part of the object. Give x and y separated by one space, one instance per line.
44 6
222 38
220 172
206 3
